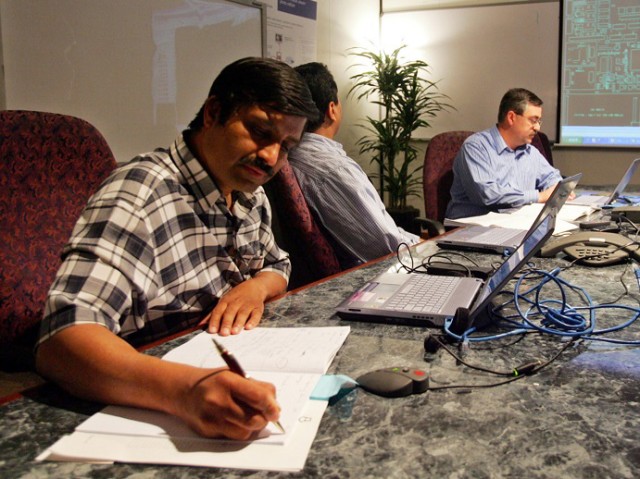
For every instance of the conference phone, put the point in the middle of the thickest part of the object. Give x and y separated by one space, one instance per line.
594 248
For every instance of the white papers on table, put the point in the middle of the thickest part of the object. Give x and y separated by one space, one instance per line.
92 447
522 218
293 359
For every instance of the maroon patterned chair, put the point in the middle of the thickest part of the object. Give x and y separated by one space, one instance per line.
438 176
542 143
312 254
50 165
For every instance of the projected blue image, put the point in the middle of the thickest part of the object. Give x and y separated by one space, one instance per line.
600 91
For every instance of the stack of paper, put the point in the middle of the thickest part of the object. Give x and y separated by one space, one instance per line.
522 218
293 359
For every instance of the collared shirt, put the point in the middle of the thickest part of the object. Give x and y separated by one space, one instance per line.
490 176
156 247
344 201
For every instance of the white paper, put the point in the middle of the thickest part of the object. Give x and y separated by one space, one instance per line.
294 359
293 389
91 447
523 218
308 350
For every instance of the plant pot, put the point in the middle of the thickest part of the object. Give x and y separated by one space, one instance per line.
404 218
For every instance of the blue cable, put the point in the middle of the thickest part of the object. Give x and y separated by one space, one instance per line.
551 316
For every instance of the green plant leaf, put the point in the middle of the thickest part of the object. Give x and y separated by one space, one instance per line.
407 99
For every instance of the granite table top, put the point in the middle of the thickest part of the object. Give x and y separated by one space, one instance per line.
579 417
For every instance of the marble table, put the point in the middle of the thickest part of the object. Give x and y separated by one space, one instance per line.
577 418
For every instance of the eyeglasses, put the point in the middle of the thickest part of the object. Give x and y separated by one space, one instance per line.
532 121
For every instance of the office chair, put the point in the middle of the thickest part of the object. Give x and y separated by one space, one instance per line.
438 177
50 165
312 254
542 143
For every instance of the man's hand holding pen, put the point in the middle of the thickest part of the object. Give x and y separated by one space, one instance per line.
222 403
235 367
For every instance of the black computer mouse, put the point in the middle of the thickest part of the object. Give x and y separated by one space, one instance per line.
394 382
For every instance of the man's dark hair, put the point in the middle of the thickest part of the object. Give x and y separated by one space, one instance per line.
265 82
323 89
516 100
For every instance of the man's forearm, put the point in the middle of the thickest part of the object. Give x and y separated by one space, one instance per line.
91 362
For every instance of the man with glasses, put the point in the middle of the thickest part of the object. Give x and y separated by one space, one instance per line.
179 237
498 168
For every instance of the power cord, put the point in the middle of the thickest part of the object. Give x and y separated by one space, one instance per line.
519 372
556 316
442 263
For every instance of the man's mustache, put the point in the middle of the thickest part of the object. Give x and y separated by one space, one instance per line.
257 162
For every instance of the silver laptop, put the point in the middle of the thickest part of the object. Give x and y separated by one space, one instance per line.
608 201
425 300
498 239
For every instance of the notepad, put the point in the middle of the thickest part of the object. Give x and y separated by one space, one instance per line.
293 359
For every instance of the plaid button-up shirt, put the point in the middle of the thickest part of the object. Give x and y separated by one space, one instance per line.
156 247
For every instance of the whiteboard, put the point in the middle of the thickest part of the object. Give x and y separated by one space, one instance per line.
137 70
478 53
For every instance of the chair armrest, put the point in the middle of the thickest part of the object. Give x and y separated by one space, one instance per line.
431 228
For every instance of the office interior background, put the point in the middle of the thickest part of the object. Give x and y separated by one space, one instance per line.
476 51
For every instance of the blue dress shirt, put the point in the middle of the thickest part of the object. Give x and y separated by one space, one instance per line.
490 176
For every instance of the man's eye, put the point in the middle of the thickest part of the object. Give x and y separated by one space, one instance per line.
260 133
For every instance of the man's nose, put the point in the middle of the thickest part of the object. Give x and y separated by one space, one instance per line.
270 153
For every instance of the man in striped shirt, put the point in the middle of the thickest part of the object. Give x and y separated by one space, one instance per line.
175 238
336 188
498 168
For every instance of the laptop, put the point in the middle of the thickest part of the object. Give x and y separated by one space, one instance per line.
498 239
608 201
389 298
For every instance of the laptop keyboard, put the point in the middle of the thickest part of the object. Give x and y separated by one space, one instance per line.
423 293
496 235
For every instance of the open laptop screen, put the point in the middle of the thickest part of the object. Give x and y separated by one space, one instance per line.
505 272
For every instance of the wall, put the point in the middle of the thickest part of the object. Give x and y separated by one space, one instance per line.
138 71
3 104
342 25
345 24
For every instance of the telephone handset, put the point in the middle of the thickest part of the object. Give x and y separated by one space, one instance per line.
593 248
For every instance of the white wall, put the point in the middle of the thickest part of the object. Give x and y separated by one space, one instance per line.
343 24
137 70
3 104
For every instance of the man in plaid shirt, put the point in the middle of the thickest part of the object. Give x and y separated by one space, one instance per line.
179 237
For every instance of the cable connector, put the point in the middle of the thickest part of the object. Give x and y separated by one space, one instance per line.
636 271
527 369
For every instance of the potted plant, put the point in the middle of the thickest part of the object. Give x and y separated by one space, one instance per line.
407 100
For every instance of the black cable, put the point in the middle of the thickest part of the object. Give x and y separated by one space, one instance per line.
422 268
520 372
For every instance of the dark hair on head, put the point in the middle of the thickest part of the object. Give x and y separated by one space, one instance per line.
516 100
265 82
323 89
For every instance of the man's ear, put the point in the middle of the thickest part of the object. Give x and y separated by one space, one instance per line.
511 117
211 111
331 111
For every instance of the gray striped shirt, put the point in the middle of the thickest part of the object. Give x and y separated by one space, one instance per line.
343 199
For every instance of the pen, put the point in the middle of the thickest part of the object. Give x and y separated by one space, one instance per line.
235 367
